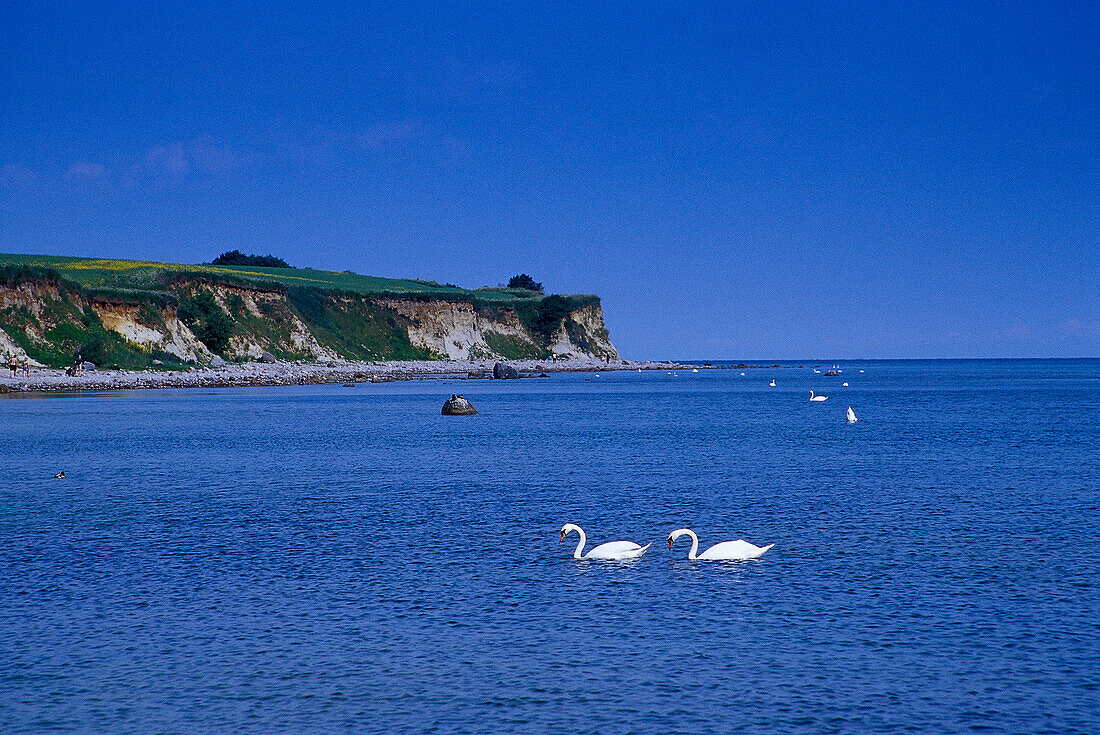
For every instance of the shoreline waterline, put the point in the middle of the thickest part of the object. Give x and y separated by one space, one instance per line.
257 374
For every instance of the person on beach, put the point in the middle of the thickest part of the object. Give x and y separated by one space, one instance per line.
79 364
13 364
26 366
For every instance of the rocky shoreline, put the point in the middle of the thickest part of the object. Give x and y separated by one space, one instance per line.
50 380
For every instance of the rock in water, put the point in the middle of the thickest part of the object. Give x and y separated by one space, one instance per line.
458 406
502 371
268 358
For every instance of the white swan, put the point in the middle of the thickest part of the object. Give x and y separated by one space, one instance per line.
851 415
611 550
772 384
817 398
845 385
726 551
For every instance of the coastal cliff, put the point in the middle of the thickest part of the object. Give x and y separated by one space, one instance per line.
129 314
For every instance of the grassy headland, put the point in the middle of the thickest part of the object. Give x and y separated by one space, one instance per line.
234 311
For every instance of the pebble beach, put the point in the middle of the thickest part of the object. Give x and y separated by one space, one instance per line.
41 379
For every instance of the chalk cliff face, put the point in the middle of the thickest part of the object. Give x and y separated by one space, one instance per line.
196 322
459 330
164 332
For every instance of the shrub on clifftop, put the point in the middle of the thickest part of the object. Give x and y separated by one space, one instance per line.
236 257
524 281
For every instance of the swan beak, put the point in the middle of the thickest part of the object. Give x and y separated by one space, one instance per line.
562 537
670 544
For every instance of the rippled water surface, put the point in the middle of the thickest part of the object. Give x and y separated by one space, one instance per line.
326 559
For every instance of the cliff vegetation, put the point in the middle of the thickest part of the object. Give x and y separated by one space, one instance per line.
137 314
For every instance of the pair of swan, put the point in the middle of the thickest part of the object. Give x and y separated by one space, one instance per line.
622 550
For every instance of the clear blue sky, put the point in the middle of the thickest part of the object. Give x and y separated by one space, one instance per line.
736 180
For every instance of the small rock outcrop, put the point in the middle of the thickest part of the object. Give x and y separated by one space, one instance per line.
458 406
504 372
267 357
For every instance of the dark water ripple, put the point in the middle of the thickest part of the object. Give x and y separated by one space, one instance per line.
332 560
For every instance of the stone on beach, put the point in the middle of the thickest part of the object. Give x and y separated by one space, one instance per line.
504 372
458 406
267 357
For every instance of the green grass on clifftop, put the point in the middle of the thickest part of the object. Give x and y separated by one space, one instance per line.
99 274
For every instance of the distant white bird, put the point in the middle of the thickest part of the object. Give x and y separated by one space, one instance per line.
817 371
738 550
851 416
742 374
613 550
844 385
772 384
861 371
695 370
817 399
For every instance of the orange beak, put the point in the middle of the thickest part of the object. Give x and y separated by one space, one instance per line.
562 537
670 544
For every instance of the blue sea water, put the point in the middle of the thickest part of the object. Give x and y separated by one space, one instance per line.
325 559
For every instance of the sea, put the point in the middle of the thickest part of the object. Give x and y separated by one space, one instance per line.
326 559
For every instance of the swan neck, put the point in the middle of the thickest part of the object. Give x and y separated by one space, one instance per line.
580 543
694 546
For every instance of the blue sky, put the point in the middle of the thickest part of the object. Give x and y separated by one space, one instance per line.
736 180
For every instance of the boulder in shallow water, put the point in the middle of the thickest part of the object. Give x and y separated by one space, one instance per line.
267 357
458 406
504 372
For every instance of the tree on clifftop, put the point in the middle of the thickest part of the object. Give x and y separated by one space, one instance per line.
524 281
236 257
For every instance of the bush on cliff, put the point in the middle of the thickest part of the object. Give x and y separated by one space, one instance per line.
236 257
525 282
207 320
543 317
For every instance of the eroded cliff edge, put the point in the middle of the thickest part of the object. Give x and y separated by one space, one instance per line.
182 318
